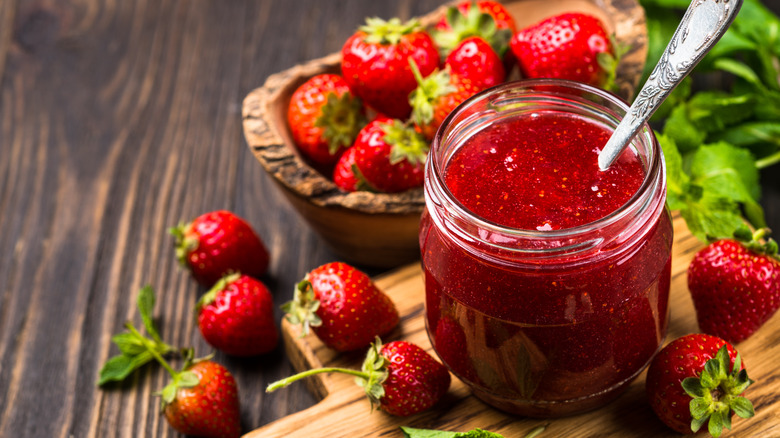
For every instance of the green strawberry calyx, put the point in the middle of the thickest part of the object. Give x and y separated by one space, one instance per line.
757 241
371 377
406 143
186 241
218 287
428 90
302 309
609 62
180 379
716 393
379 31
341 118
473 23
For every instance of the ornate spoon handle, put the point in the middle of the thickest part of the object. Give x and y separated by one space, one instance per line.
703 24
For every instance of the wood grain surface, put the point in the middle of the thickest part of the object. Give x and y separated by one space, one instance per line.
344 409
119 119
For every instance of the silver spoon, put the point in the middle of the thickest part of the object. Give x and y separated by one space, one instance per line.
701 27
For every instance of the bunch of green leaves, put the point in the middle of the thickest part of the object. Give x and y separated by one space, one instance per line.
135 349
716 139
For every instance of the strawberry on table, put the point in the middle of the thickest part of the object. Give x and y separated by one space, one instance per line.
390 156
399 377
735 285
324 118
697 379
217 243
343 307
237 316
375 63
572 46
202 400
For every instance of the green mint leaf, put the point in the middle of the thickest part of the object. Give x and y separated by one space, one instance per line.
713 111
119 367
146 308
730 173
677 180
410 432
129 344
739 69
711 216
687 136
753 133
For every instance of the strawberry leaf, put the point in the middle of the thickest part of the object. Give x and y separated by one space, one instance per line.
410 432
129 344
145 308
119 367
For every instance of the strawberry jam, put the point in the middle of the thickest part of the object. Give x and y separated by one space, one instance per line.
547 279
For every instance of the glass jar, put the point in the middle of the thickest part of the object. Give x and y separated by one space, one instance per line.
543 321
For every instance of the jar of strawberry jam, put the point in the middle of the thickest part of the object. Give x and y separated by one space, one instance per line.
546 279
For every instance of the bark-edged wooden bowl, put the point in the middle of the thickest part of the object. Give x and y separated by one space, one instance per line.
378 229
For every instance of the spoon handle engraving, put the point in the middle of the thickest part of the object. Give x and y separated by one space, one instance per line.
701 27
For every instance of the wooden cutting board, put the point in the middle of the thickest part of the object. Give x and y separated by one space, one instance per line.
344 410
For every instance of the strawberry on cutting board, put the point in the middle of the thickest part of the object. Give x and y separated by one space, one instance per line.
399 377
735 285
572 46
343 307
218 243
695 380
237 316
375 63
324 117
390 156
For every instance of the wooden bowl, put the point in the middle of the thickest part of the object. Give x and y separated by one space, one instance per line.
377 229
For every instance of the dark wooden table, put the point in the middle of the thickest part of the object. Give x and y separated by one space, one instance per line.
119 119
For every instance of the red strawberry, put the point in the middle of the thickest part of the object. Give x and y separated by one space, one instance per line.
697 379
237 316
343 174
399 377
566 46
474 59
324 118
436 96
375 63
390 156
343 306
203 400
487 19
735 285
218 243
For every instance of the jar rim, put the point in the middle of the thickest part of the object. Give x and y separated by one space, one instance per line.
639 201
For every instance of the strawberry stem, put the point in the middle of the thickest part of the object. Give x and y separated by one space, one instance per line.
308 373
154 349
